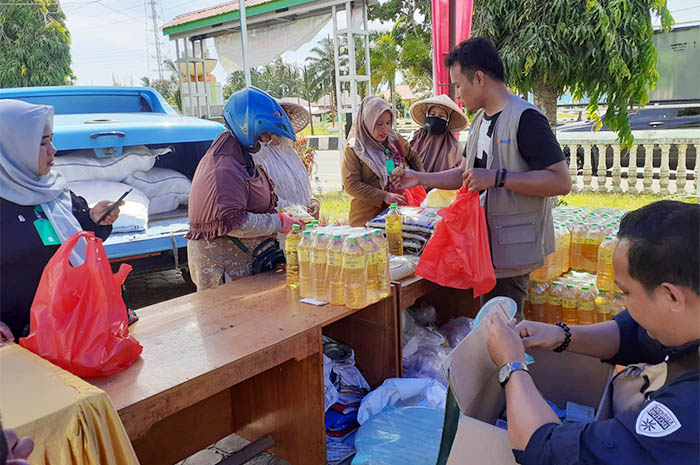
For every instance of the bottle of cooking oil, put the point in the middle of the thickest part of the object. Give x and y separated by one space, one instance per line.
586 306
616 305
553 311
602 307
354 274
291 249
394 230
527 308
578 240
319 254
382 263
568 305
371 252
334 271
605 279
594 237
538 300
306 279
566 254
541 273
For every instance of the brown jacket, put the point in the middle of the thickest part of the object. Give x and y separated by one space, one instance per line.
363 185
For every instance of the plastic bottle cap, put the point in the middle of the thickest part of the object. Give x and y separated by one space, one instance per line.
314 222
394 206
320 235
296 227
569 286
306 233
352 239
337 237
377 232
366 235
603 291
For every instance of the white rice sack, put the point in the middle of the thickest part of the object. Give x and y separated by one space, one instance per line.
166 203
83 165
133 214
157 182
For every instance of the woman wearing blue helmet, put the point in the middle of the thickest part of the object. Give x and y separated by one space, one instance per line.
232 200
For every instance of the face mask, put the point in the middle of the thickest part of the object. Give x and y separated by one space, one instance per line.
435 125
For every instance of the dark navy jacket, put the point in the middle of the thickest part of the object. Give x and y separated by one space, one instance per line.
23 257
665 430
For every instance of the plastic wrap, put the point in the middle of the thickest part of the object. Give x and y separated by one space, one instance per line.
400 436
402 392
456 329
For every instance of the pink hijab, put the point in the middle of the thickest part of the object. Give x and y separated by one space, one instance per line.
368 150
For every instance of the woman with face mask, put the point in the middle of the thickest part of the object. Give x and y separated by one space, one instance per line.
372 143
278 157
439 118
37 211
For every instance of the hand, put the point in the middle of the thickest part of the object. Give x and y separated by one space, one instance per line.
100 208
390 198
5 334
287 221
18 449
478 179
541 335
408 179
314 208
504 342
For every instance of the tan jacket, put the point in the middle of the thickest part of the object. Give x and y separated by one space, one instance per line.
363 185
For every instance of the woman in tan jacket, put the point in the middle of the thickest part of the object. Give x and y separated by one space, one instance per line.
371 144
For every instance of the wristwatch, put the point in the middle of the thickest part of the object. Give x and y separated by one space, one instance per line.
508 369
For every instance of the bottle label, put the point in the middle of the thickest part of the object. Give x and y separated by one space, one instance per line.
304 255
353 263
554 300
318 258
586 306
538 299
568 303
335 259
381 258
372 259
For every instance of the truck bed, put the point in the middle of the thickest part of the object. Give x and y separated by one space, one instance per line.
162 230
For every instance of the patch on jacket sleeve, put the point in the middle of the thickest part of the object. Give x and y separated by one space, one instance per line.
656 420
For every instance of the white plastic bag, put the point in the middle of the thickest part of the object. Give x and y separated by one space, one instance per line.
157 182
133 215
402 392
83 165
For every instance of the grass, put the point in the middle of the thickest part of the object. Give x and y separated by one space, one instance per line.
320 129
335 206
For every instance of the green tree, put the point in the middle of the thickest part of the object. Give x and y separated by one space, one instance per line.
312 90
412 33
384 56
598 49
34 44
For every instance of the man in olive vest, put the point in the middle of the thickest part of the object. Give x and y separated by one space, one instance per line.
512 158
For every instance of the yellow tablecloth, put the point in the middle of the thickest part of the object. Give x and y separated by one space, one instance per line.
71 421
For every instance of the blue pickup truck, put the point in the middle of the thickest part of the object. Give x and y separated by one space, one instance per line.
107 119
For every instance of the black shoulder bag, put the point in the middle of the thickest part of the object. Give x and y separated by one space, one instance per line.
266 257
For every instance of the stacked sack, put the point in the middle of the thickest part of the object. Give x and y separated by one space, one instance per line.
418 226
155 190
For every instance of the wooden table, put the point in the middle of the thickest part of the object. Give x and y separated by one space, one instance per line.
245 357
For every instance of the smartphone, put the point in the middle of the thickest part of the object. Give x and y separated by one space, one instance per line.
114 205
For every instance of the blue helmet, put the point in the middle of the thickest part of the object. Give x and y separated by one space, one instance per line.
251 112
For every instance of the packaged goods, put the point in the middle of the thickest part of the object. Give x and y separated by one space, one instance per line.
291 248
602 307
382 263
569 308
306 279
394 230
553 311
299 212
354 274
585 305
371 252
334 271
538 300
318 267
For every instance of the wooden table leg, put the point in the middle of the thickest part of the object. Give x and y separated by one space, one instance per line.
286 401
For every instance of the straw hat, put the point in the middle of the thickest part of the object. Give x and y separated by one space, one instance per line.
298 115
458 119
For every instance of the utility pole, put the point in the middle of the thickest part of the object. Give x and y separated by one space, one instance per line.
154 17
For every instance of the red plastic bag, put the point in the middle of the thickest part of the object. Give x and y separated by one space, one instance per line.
414 196
458 255
78 317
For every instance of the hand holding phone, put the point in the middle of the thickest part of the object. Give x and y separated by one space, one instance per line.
113 207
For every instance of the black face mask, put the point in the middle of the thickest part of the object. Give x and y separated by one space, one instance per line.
435 125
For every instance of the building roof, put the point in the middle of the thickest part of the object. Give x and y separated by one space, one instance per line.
216 10
406 93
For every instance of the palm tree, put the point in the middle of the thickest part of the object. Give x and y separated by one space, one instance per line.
384 62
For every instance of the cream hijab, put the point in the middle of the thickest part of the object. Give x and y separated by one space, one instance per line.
368 150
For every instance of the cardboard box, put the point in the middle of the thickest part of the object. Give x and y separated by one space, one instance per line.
473 378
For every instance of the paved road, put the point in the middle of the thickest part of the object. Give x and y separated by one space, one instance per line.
326 175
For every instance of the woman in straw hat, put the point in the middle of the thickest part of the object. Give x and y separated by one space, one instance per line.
439 118
285 168
372 148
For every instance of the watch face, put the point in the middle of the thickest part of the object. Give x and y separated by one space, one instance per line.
503 373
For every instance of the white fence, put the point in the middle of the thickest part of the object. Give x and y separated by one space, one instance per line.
665 162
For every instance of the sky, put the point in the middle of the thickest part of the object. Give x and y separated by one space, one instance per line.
113 40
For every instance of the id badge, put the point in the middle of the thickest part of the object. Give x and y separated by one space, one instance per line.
46 232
